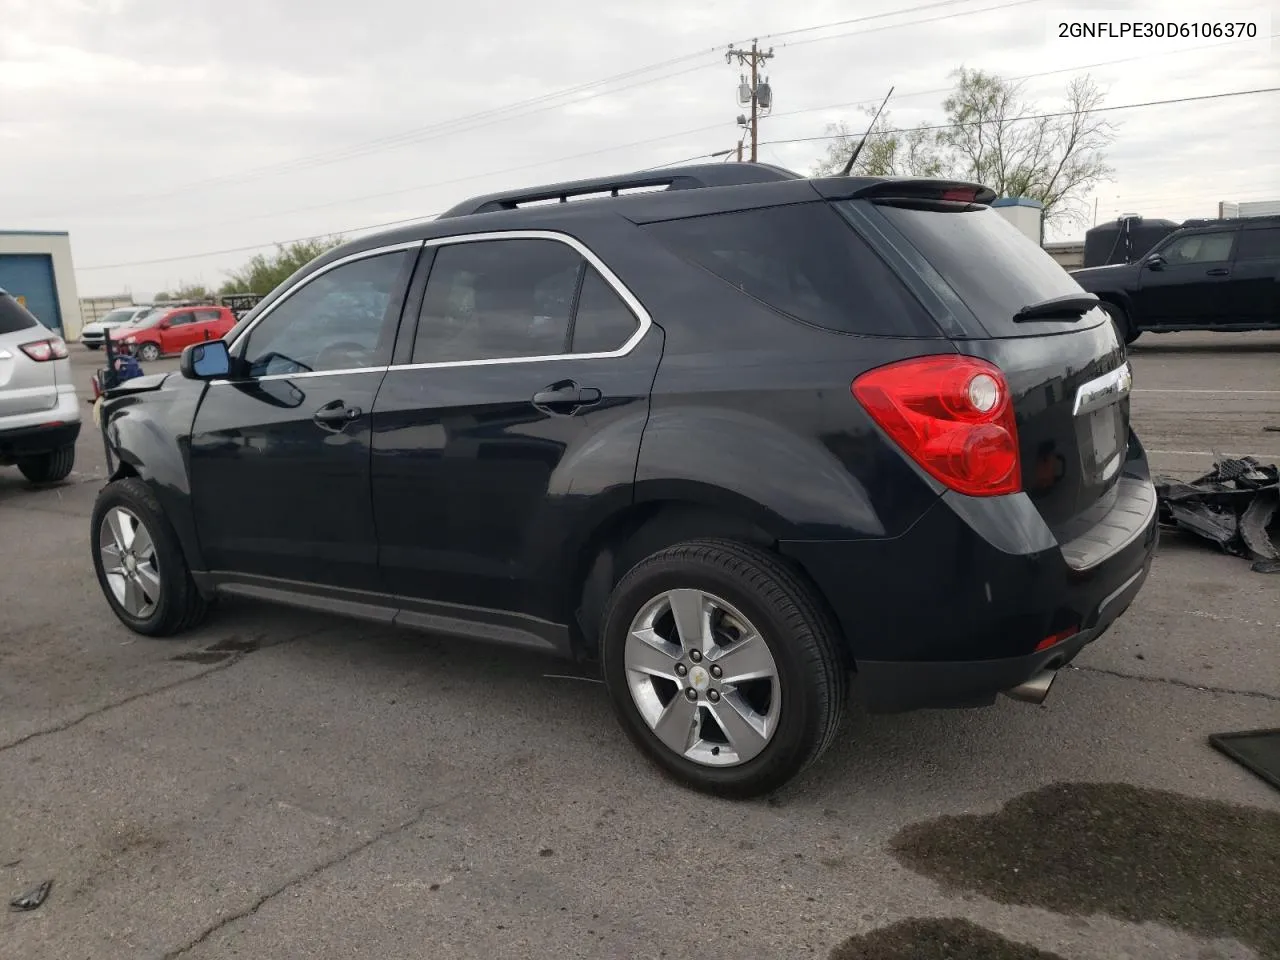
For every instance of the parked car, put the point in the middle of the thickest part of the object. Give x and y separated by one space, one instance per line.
39 412
166 331
1208 275
733 439
94 333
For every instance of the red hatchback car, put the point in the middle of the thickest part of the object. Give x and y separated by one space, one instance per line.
170 331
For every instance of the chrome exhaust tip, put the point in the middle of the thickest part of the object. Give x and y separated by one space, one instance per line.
1033 690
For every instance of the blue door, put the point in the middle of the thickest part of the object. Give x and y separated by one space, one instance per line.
29 277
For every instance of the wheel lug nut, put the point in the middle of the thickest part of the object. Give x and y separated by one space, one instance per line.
690 694
713 696
681 669
695 656
716 671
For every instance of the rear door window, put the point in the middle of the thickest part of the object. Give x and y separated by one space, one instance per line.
602 322
1259 244
992 267
805 261
14 316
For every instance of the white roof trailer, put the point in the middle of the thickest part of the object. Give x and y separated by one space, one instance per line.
1227 210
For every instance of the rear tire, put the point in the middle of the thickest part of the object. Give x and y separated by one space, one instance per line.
726 583
49 467
139 561
149 352
1123 325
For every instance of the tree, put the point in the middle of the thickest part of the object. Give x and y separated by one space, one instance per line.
888 152
996 137
185 291
264 273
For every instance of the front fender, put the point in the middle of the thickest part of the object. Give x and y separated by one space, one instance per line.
148 435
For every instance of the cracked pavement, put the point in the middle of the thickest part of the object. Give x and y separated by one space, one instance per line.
325 788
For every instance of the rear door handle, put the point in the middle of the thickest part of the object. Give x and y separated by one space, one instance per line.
565 397
1218 272
336 411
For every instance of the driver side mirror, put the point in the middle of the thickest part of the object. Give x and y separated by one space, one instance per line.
1155 262
206 361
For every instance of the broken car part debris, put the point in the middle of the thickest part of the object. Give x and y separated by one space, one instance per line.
33 897
1234 505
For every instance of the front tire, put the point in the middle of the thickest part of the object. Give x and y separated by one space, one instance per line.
149 352
49 467
139 562
723 665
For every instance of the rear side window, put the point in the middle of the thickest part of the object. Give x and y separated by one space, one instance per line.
14 316
1259 244
602 323
204 316
993 267
803 260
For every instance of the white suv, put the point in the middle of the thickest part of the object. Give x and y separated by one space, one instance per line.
94 333
39 411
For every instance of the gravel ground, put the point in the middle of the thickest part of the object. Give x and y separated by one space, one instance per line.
280 784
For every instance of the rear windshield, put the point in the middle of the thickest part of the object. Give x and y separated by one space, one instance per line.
804 261
991 265
14 316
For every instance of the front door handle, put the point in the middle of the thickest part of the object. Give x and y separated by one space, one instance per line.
336 411
1218 272
565 397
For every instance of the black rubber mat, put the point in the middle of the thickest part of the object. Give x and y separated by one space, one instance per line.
1256 750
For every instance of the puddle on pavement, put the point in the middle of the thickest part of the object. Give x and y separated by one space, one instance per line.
220 651
1208 868
936 939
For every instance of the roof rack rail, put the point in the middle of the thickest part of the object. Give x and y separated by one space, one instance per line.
672 178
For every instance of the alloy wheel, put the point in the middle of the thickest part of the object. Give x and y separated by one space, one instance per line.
703 678
129 562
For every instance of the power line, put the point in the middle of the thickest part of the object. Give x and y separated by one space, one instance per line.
1041 116
470 122
645 142
1026 76
862 19
911 23
260 246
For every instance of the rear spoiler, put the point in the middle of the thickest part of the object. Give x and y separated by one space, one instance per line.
889 189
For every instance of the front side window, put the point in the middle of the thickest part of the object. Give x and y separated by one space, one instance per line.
344 319
498 299
1199 248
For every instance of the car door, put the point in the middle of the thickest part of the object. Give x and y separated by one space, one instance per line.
280 453
517 412
184 329
205 327
1255 276
1184 282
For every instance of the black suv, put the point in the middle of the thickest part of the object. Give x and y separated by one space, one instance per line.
734 432
1207 275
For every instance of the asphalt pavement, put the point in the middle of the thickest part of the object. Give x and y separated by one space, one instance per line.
280 784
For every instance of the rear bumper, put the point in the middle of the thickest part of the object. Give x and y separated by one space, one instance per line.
951 613
33 441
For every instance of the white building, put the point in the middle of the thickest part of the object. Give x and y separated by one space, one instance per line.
36 267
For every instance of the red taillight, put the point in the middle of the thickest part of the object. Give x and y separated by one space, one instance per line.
953 416
42 350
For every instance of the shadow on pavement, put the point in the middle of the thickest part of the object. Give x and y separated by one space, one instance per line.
941 939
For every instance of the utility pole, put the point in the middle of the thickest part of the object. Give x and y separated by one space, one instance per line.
758 94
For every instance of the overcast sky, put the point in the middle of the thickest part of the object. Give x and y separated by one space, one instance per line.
158 129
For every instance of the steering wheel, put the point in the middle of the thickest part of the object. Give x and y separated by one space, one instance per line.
341 355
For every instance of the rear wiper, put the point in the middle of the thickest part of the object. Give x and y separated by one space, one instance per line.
1071 307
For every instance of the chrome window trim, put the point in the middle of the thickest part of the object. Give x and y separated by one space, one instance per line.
644 320
288 294
1104 390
